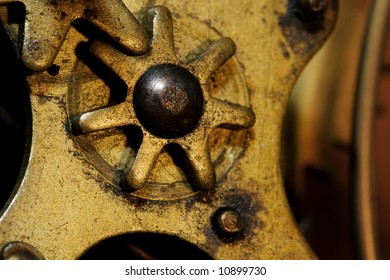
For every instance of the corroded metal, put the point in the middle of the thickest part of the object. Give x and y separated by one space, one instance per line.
71 186
228 224
48 22
157 131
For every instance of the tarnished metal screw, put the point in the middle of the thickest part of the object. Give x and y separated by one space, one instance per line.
20 251
228 224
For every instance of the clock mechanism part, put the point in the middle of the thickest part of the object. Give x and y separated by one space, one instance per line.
163 123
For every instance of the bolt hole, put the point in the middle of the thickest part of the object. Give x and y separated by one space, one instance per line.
307 18
300 15
54 70
308 12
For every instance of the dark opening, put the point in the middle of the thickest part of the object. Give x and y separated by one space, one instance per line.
14 111
144 246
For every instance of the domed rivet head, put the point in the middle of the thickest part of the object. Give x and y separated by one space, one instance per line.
168 100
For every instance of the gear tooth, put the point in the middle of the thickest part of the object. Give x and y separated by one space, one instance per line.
144 162
111 57
213 58
105 52
37 62
230 45
163 39
226 113
160 12
45 32
43 37
132 182
203 168
124 27
114 116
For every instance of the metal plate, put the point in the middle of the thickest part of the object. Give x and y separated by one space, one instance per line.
66 202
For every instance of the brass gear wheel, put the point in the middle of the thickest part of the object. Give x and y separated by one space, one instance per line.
168 99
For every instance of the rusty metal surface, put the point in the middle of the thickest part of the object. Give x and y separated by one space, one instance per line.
69 196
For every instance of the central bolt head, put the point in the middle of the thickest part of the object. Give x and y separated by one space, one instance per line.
168 100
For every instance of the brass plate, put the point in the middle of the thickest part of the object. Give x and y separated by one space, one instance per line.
65 204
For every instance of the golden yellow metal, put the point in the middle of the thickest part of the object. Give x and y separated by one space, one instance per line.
48 22
69 197
216 112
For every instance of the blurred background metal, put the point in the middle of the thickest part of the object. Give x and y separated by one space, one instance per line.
336 132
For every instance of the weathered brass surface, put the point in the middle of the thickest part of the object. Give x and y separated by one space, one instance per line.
48 22
215 113
69 196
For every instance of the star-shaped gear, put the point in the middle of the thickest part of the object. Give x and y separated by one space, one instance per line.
168 100
48 21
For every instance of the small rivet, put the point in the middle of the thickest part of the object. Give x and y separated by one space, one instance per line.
20 251
228 224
